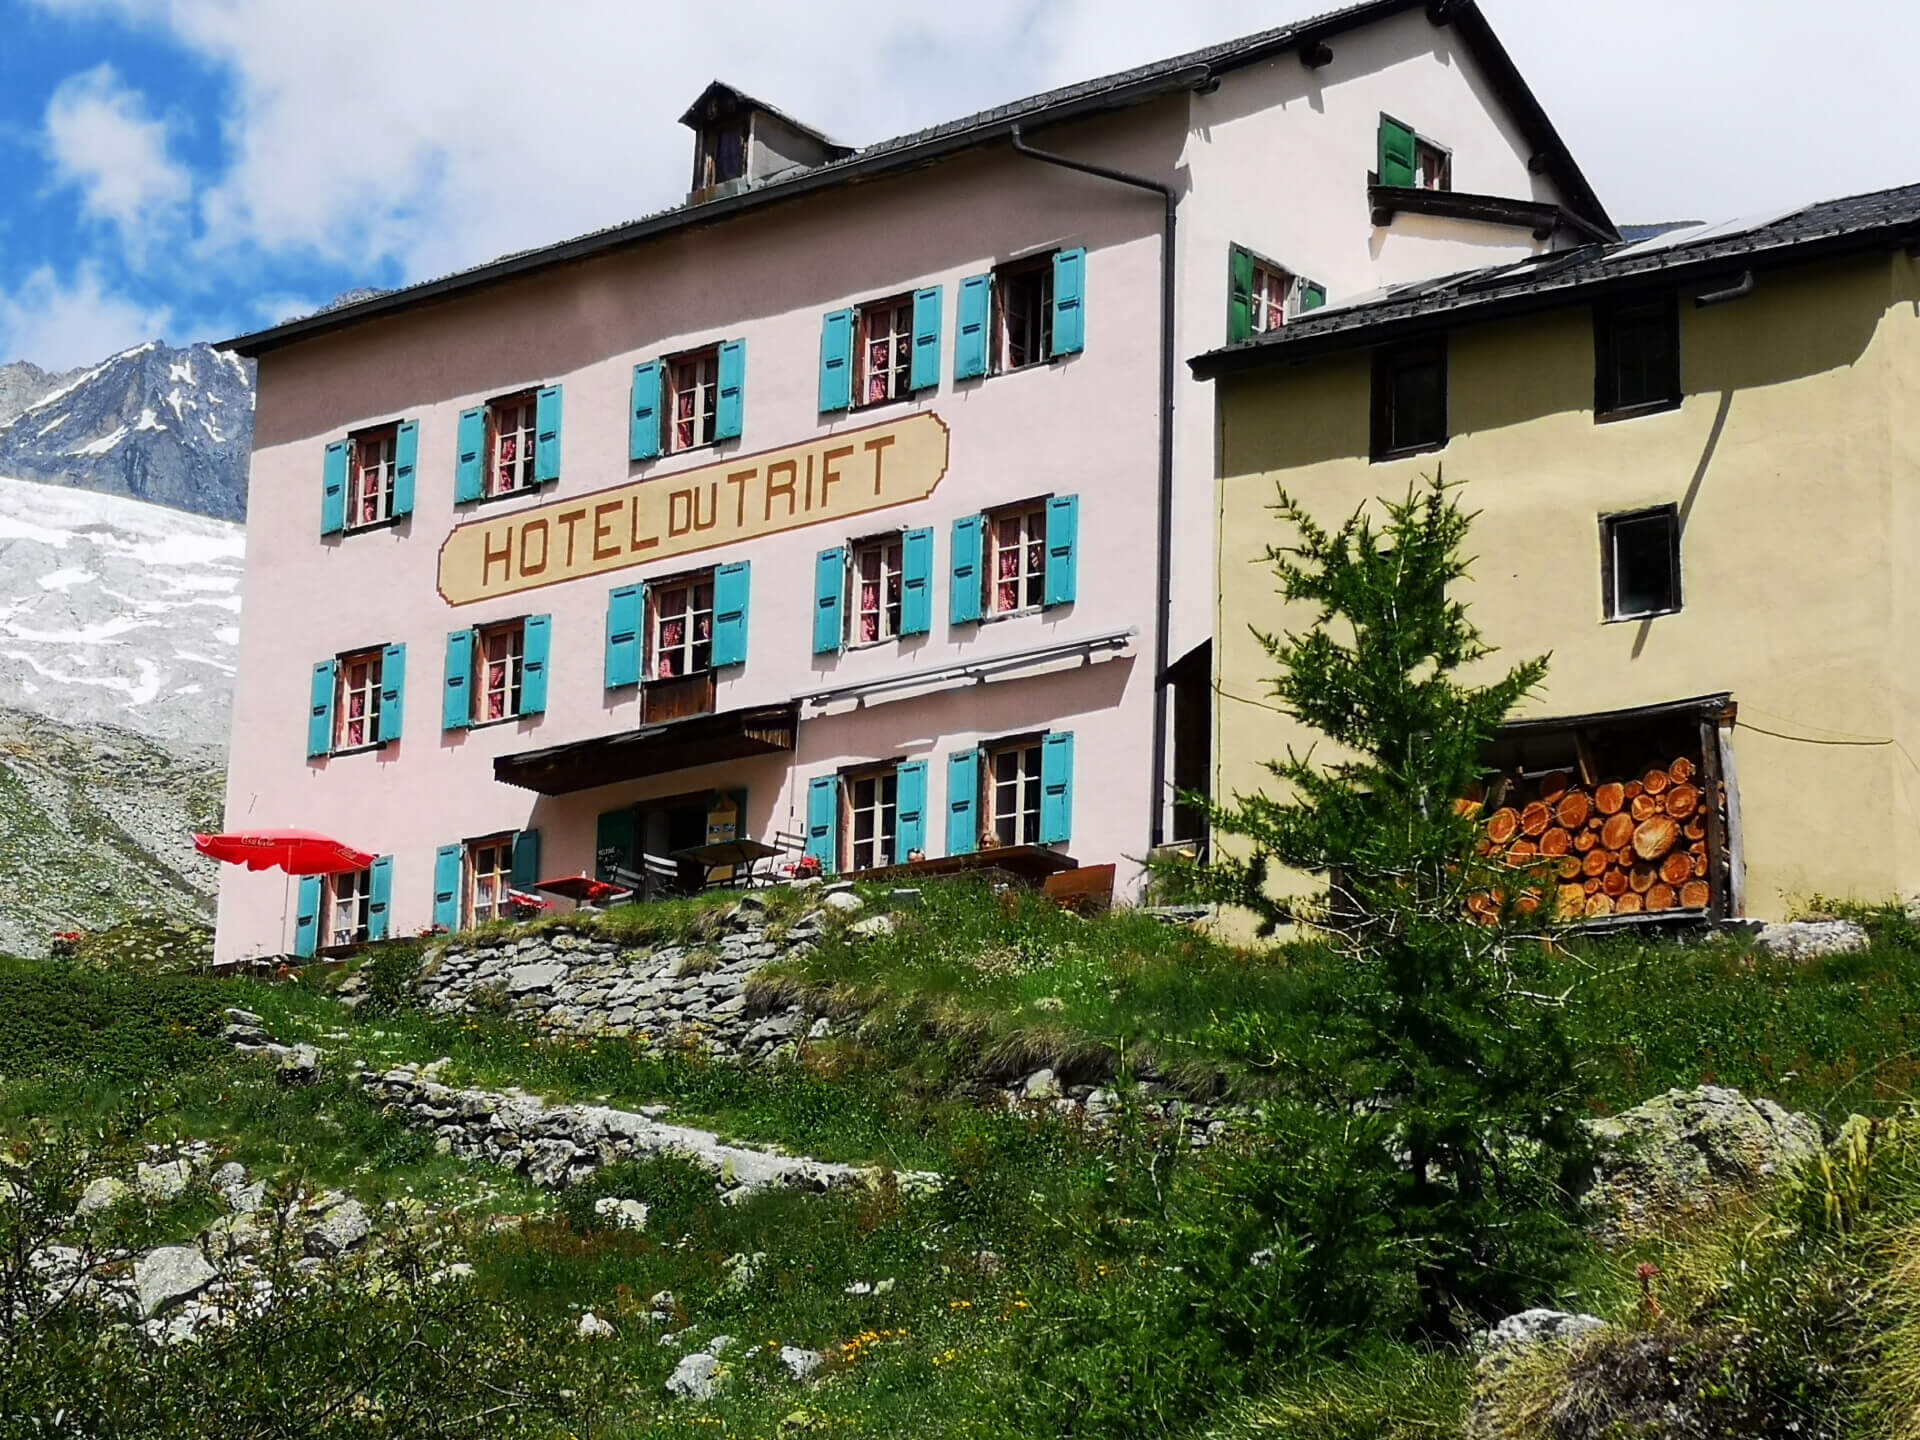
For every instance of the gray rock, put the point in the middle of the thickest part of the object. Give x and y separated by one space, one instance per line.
238 1234
1812 939
242 1017
338 1230
592 1327
820 1029
1534 1327
904 899
301 1067
801 1364
165 1181
100 1196
845 902
693 1377
230 1176
525 979
1042 1085
874 927
168 1277
625 1214
720 1344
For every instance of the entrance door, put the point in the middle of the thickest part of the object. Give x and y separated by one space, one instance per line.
676 824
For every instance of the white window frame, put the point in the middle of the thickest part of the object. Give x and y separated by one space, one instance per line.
515 420
370 476
872 796
358 676
1432 165
687 653
885 555
885 330
695 376
349 896
510 682
1269 313
1031 545
489 879
1037 325
1006 800
1610 527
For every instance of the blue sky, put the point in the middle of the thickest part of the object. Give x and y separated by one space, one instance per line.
194 168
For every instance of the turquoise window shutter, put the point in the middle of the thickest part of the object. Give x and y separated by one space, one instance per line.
546 435
616 841
333 490
969 535
1069 302
910 810
916 582
393 690
643 426
836 361
320 711
534 645
829 581
927 304
456 701
1056 788
625 609
526 860
448 862
1063 536
1239 295
823 821
1312 296
970 338
963 799
731 584
406 457
1398 163
306 917
469 464
728 406
380 898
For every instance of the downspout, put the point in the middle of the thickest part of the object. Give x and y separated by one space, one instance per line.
1165 538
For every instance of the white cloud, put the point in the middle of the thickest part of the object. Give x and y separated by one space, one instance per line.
59 324
102 142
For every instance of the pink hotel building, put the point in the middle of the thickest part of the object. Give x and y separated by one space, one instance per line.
859 502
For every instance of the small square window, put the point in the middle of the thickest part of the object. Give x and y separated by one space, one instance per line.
1432 166
1016 577
498 654
356 701
1409 398
693 382
370 476
1636 357
1023 314
1272 289
347 912
1640 563
489 879
511 426
871 799
875 613
680 626
886 351
1013 794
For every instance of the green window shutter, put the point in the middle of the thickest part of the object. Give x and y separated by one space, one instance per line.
643 424
333 490
916 582
448 862
1063 536
731 584
534 644
546 435
393 690
456 700
823 821
380 898
829 584
836 361
616 841
1312 296
306 917
927 304
970 339
969 536
467 469
1239 295
1398 164
626 607
526 860
320 710
1056 788
910 810
727 409
1069 302
406 457
963 799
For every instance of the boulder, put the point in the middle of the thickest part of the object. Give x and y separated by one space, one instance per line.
874 927
1534 1327
165 1181
170 1276
338 1230
625 1214
693 1377
1812 939
801 1364
1684 1152
300 1066
525 979
592 1327
1042 1085
100 1196
845 902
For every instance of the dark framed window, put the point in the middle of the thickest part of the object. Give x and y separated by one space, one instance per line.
1640 563
1636 354
1409 398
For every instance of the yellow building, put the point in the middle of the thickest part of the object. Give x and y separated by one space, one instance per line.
1696 462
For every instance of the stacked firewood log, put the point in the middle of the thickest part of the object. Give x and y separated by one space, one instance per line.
1621 847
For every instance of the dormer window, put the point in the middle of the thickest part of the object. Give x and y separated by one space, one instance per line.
740 141
722 156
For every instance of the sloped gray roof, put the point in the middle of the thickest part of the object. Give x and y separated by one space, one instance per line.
1879 219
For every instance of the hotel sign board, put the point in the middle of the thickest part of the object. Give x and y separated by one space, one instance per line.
833 478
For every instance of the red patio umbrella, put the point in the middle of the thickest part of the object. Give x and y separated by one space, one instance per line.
298 852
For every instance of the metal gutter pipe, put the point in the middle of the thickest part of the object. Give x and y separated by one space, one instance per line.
1165 539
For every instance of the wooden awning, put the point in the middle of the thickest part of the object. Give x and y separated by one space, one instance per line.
652 750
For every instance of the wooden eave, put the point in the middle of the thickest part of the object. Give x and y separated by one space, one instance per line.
652 750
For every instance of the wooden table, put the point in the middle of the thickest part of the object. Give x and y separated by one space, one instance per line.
1029 864
740 855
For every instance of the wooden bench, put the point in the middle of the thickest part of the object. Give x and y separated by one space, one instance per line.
1087 890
